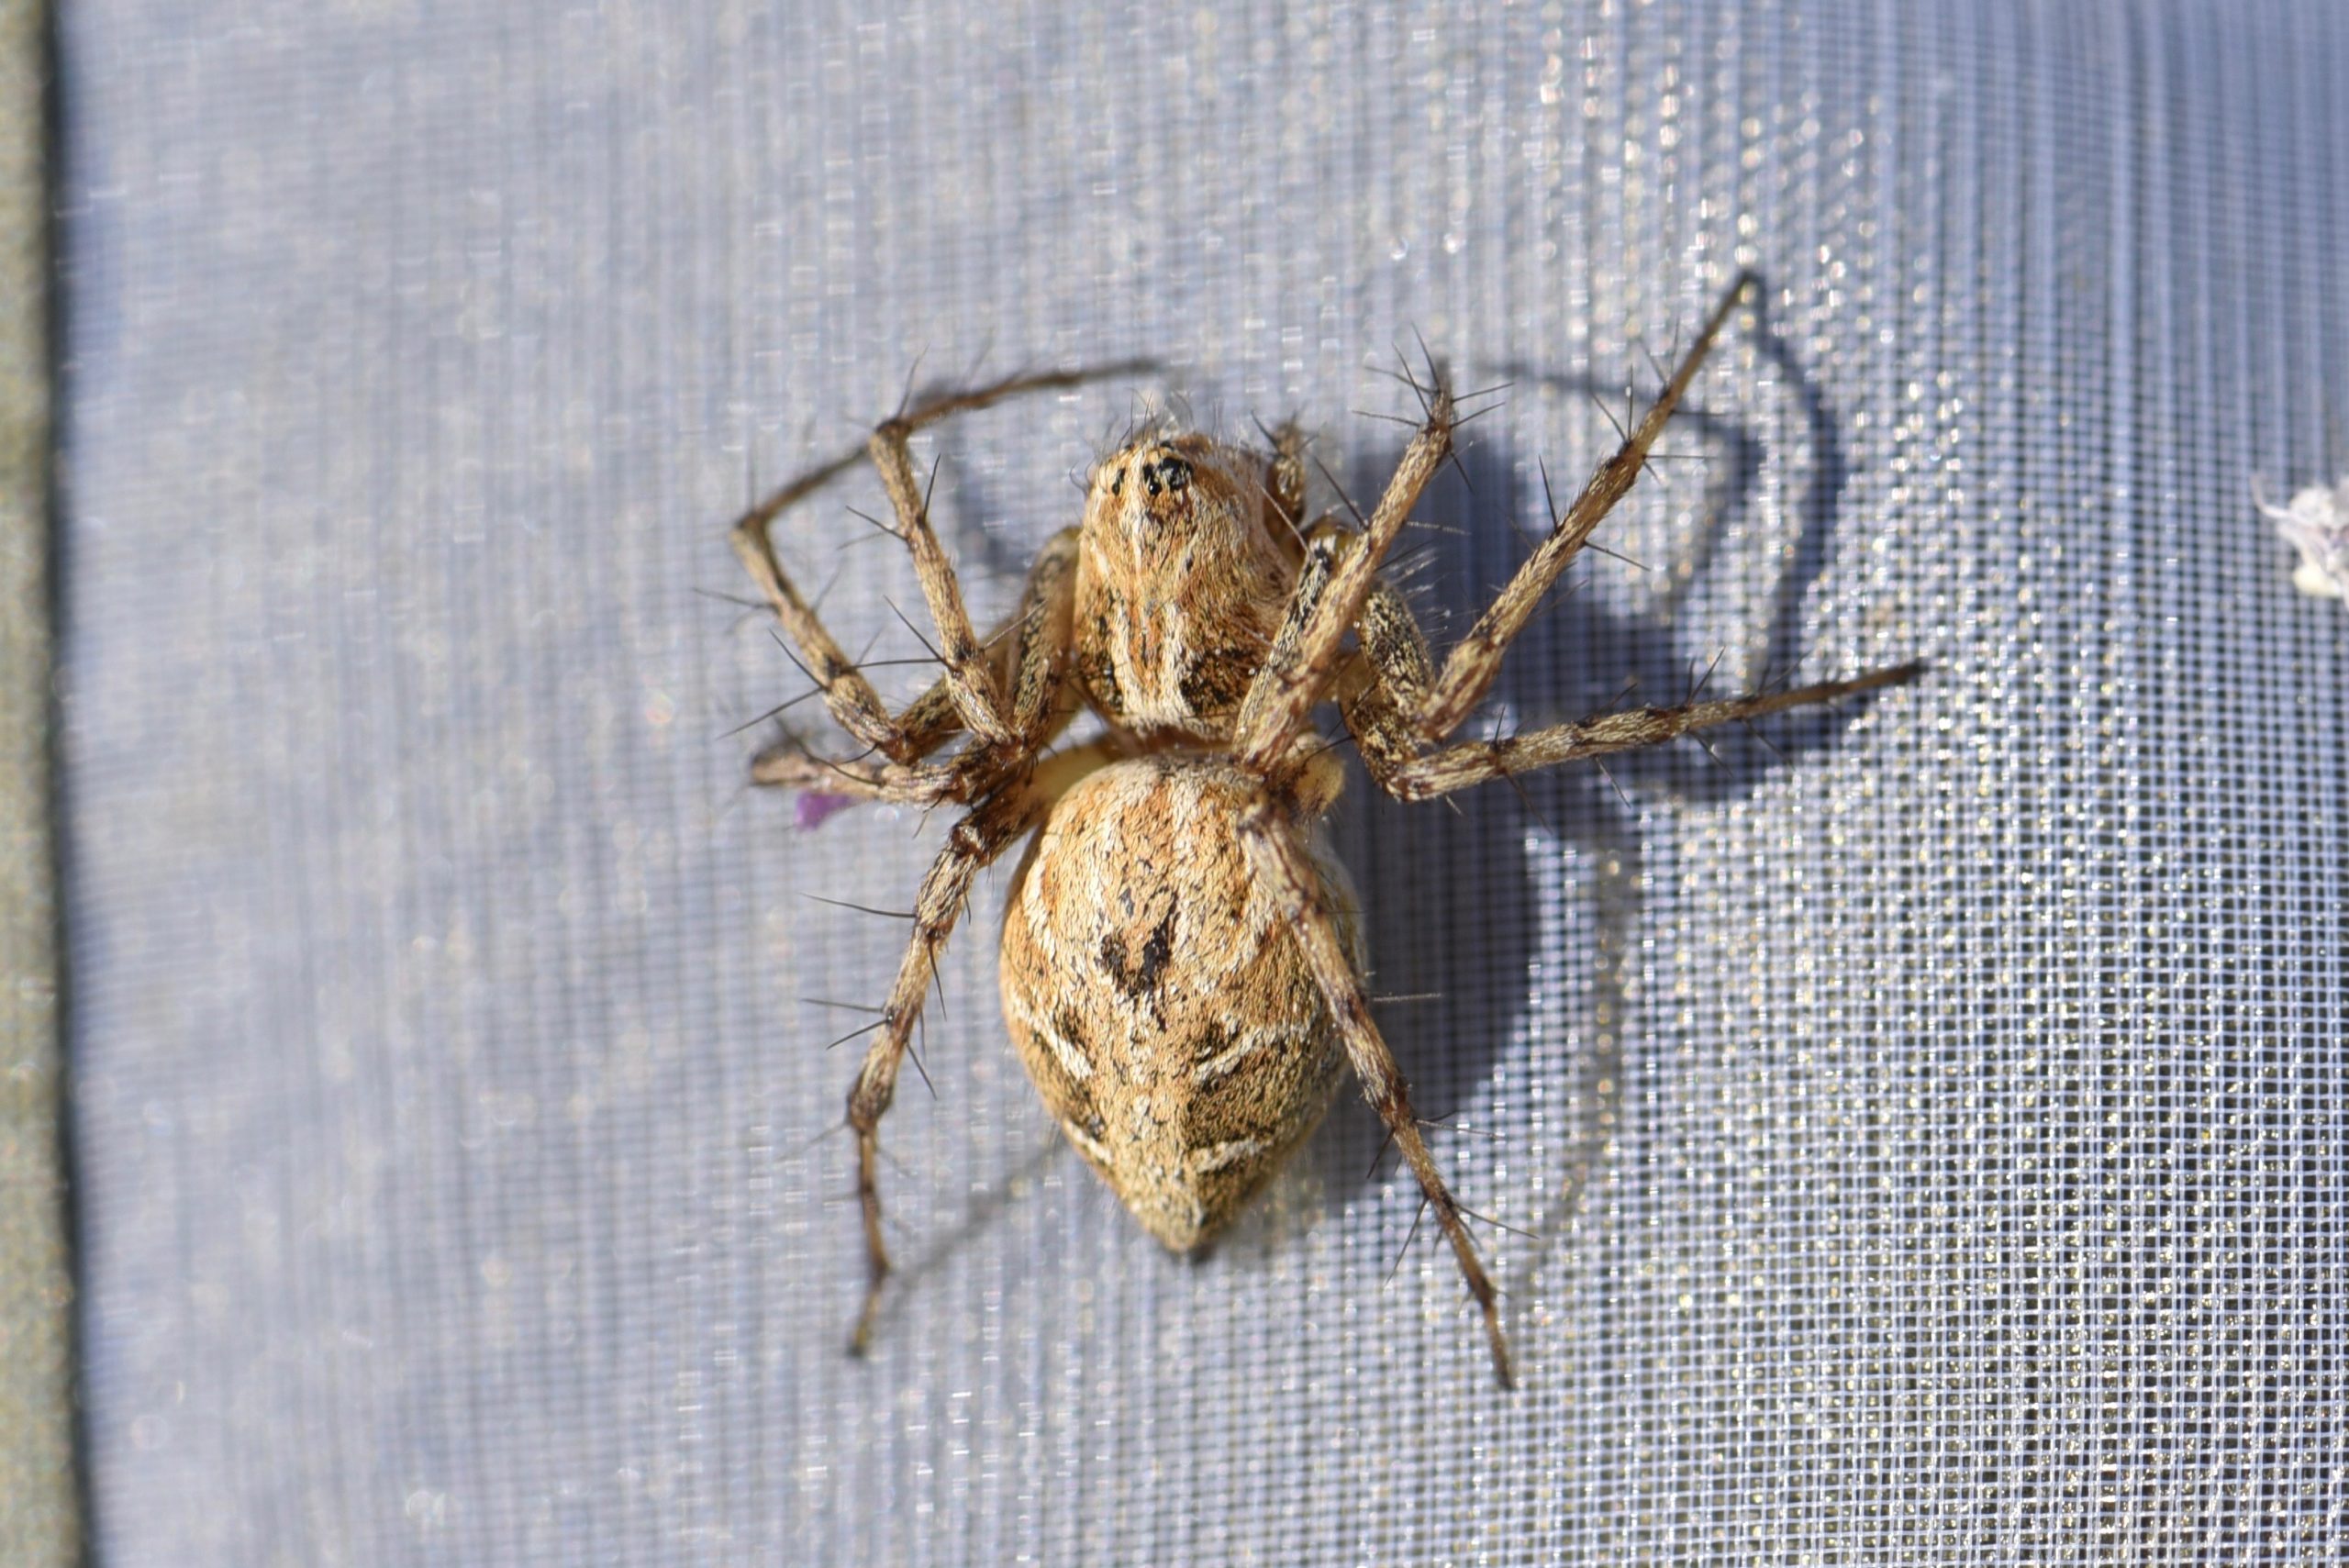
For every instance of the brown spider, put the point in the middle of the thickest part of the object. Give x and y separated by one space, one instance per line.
1181 967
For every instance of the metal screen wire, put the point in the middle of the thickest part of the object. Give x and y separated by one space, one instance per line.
1919 1135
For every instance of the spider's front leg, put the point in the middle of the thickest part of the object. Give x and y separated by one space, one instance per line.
1031 654
1398 706
1469 670
970 683
1307 651
854 705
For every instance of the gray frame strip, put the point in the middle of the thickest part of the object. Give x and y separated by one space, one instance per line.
39 1523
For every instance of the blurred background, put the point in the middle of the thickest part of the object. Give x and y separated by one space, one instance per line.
1922 1133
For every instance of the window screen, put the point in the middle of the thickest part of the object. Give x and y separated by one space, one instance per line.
1917 1126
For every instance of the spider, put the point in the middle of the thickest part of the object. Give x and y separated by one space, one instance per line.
1181 967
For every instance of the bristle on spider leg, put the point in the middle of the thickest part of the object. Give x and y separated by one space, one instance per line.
1408 1236
1447 1124
1526 800
831 1129
1747 725
884 529
1344 499
926 643
859 1030
861 908
1621 433
1607 773
776 712
1697 689
914 1053
1498 1225
913 372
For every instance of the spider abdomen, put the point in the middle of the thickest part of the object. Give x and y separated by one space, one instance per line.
1161 1003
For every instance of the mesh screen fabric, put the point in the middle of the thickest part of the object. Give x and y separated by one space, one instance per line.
1931 1135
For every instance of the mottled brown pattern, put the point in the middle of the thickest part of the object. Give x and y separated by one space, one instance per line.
1199 1098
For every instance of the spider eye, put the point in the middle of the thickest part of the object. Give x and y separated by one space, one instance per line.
1117 480
1170 475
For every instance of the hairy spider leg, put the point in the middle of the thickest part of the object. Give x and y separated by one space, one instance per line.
968 684
1033 649
1398 704
1270 835
1337 577
1469 670
1305 656
1397 707
1408 776
975 842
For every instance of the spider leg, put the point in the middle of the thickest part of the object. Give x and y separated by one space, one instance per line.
1378 687
1043 637
971 844
1278 855
1030 650
849 696
1457 767
1285 476
969 678
1306 656
790 763
854 705
1469 670
1398 707
974 842
1383 686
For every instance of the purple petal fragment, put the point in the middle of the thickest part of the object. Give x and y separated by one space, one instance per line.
816 806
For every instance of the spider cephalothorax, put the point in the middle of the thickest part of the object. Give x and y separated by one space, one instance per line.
1185 562
1181 967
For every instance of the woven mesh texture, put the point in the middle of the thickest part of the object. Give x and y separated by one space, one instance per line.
1928 1133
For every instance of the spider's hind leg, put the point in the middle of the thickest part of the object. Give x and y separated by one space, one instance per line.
974 844
1276 854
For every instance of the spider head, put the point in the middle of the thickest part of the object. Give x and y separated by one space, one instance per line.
1168 494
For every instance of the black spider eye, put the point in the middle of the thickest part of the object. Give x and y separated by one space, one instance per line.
1117 482
1170 475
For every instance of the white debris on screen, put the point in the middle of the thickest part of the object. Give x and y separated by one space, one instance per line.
2316 523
